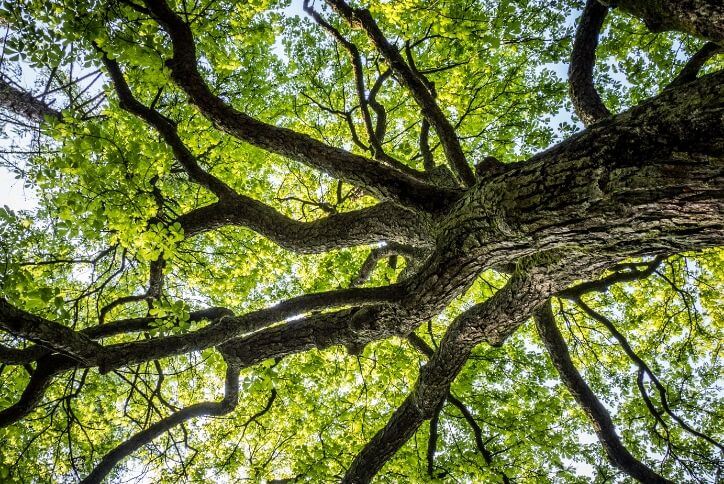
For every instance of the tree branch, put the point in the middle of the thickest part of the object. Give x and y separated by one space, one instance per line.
694 65
382 222
421 94
203 409
644 369
47 368
419 344
356 60
432 439
226 330
594 409
379 253
634 273
491 321
13 356
586 101
702 18
380 180
379 109
47 333
167 129
24 104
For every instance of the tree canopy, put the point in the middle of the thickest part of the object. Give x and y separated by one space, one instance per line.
408 241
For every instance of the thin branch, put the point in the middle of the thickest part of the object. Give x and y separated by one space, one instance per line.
407 77
167 129
203 409
357 69
432 439
633 273
644 369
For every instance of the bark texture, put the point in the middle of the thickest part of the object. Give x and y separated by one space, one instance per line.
702 18
24 104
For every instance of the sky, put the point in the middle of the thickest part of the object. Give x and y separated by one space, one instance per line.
13 193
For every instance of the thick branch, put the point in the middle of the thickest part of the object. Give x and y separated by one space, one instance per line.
419 344
24 104
13 356
586 101
47 368
702 18
226 329
491 321
47 333
653 173
591 405
382 222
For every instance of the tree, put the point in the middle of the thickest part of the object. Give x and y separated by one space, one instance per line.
295 220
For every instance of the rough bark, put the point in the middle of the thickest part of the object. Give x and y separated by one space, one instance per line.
53 335
647 181
492 321
382 222
702 18
24 104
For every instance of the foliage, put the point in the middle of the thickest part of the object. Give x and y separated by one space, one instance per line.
110 190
